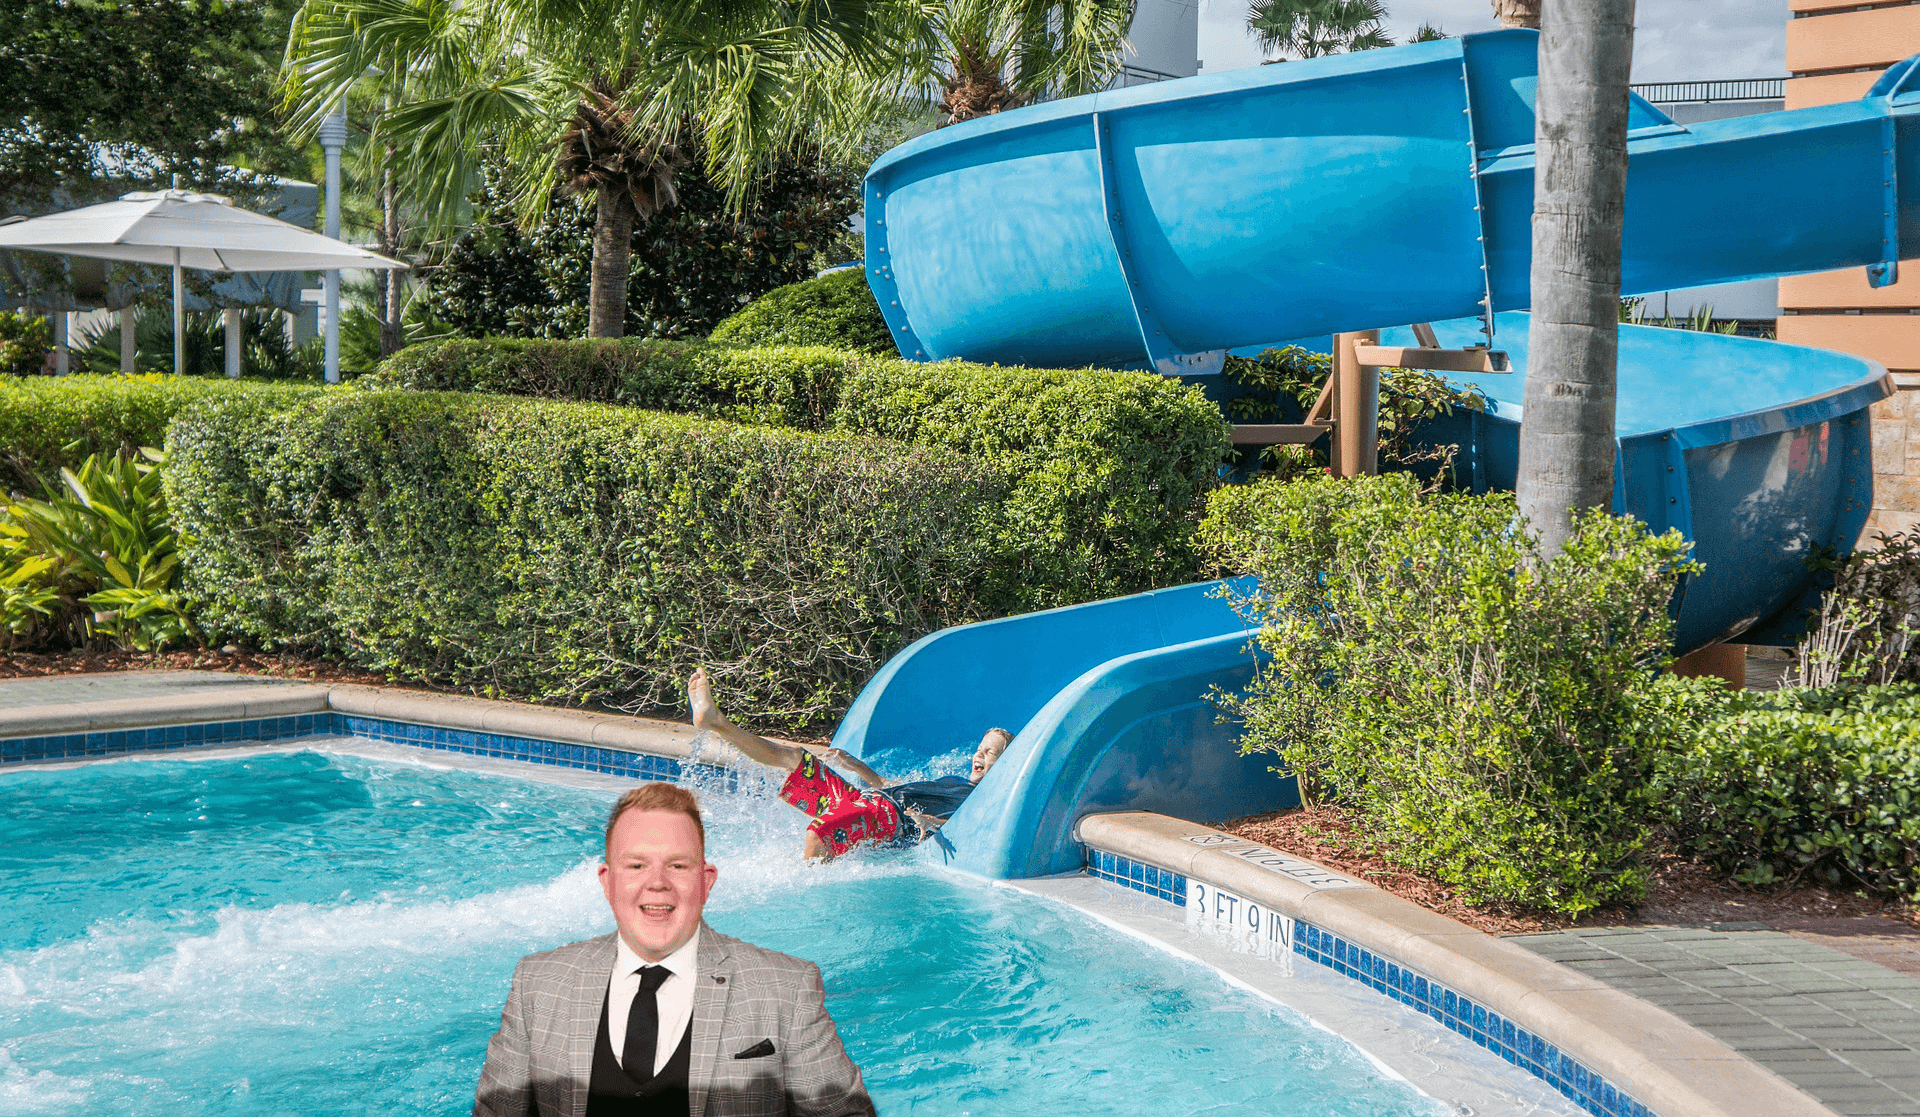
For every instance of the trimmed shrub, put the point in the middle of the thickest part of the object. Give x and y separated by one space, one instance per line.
574 551
1476 704
1796 785
836 309
782 387
51 422
1112 465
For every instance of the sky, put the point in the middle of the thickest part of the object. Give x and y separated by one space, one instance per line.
1673 40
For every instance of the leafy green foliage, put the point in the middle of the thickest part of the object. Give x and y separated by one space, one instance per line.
836 309
692 265
99 98
25 338
100 539
1112 465
1796 785
575 551
50 422
1476 703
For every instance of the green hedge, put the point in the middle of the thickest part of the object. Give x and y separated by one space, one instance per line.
1478 705
1795 785
51 421
1112 465
836 309
576 551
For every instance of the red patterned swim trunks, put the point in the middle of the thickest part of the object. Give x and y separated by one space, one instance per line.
842 814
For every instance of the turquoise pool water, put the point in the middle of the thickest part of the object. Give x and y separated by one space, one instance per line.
316 932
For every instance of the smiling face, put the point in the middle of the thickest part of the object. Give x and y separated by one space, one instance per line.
656 879
989 750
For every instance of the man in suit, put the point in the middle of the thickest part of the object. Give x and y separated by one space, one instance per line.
666 1018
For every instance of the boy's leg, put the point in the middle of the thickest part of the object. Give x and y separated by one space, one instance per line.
707 715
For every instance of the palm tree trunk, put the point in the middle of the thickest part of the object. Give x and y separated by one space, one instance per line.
612 245
1579 203
1517 13
392 294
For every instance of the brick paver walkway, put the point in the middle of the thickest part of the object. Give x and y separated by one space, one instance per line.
1841 1028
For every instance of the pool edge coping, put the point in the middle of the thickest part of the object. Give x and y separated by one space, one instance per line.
1668 1065
253 700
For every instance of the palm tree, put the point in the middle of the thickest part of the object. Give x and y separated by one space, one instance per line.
1580 188
596 97
1517 13
991 55
1311 28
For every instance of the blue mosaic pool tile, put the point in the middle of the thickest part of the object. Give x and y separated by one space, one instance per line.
1459 1013
1153 880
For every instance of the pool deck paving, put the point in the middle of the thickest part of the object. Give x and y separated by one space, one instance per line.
1831 1006
1840 1026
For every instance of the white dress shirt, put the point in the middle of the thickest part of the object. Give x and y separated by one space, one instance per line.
675 998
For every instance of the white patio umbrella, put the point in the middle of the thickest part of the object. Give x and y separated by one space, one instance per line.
186 230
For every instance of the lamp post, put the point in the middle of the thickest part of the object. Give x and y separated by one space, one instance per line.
333 140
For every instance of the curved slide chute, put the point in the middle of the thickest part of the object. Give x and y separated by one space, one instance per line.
1110 710
1163 225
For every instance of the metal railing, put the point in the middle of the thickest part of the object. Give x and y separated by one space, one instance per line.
1682 92
1139 75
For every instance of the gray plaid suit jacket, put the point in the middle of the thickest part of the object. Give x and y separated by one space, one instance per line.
748 999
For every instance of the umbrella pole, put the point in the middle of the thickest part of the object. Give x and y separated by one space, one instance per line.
179 318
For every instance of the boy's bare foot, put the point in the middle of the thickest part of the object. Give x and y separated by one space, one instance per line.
700 696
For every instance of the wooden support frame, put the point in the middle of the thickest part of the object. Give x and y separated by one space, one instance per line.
1348 406
1472 359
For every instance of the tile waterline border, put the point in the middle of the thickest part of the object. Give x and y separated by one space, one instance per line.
1610 1053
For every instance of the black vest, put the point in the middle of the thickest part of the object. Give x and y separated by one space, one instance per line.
615 1093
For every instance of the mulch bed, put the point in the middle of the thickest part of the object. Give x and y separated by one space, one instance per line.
23 665
1683 892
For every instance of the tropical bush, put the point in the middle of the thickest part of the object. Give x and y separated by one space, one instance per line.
1111 465
1479 705
1803 785
264 352
573 551
94 557
836 309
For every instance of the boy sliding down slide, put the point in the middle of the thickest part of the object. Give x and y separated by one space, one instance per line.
843 816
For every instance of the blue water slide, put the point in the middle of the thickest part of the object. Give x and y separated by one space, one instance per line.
1167 223
1110 710
1162 225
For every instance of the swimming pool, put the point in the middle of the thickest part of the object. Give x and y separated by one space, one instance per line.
327 932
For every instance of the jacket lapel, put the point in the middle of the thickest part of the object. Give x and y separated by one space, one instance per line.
715 983
582 1024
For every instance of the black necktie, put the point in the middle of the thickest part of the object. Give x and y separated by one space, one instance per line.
643 1024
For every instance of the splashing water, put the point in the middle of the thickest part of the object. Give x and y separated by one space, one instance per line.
326 933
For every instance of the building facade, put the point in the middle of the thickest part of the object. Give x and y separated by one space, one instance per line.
1835 53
